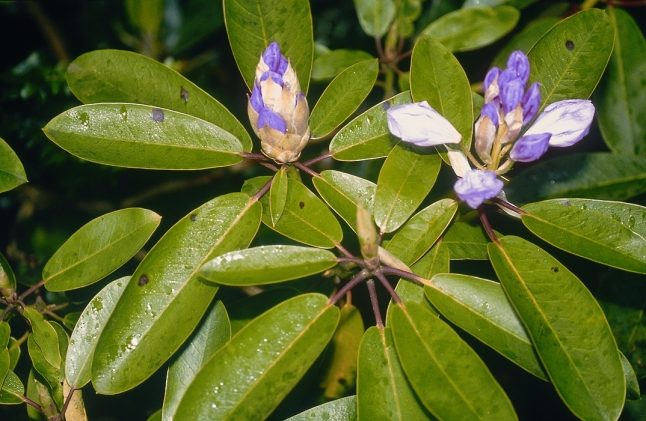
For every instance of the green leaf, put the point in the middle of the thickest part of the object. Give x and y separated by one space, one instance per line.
253 25
628 214
78 363
99 248
70 319
52 375
211 334
480 307
343 192
306 218
569 60
5 363
595 175
124 76
250 375
12 390
141 136
5 334
632 384
245 310
344 409
466 241
44 337
417 236
473 27
567 327
165 299
278 195
342 97
367 136
267 265
619 103
525 39
405 179
12 173
14 352
375 16
588 234
438 78
156 416
333 62
7 278
383 393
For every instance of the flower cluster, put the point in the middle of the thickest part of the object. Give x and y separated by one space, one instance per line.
277 108
509 106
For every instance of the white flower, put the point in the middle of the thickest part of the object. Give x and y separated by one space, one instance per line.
567 121
421 125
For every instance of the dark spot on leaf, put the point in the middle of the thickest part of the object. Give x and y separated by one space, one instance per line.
183 94
143 280
193 217
569 45
157 115
343 381
566 203
555 269
385 106
301 205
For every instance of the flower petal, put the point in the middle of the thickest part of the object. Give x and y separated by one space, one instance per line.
477 186
568 121
269 117
421 125
458 160
530 148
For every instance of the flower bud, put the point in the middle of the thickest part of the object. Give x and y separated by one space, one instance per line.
459 161
277 108
421 125
530 147
567 121
477 186
368 237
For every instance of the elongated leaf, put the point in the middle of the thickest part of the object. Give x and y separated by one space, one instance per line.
404 181
595 176
383 393
278 195
164 300
245 310
481 308
124 76
473 27
588 234
367 136
375 16
342 97
12 389
305 219
5 334
44 337
525 39
99 248
344 409
438 78
5 363
250 375
343 192
52 375
7 278
632 384
631 215
253 25
619 104
267 265
141 136
12 173
466 241
211 334
417 236
567 327
78 362
14 352
331 63
569 60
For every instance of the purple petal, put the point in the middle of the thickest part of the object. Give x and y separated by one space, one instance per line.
511 93
567 121
274 59
421 125
477 186
518 64
276 77
267 116
531 102
492 74
256 99
490 110
530 148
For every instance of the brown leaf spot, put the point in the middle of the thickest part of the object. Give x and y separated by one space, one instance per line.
143 280
157 115
569 45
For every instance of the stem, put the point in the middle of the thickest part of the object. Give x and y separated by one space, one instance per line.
344 251
263 190
347 287
31 289
270 166
487 226
388 287
380 50
254 156
28 401
589 4
350 259
473 160
5 311
67 400
317 159
375 303
505 167
404 274
509 206
305 169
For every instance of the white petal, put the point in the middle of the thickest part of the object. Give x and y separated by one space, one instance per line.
421 125
459 161
568 121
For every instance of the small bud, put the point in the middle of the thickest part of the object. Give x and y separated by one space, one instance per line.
421 125
477 186
459 161
485 131
567 121
531 102
368 236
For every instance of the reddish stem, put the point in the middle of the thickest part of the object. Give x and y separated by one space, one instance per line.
347 287
375 303
388 287
487 225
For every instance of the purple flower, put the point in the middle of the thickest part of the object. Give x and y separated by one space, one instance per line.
531 102
276 62
477 186
567 121
421 125
530 148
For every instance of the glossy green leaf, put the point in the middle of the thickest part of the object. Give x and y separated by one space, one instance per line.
14 352
31 393
632 384
343 192
367 136
267 265
211 334
278 195
375 16
5 334
165 299
383 393
52 375
620 103
595 175
306 218
99 248
631 215
344 409
480 307
253 25
70 319
5 363
525 39
447 375
124 76
156 416
250 375
466 241
340 369
7 278
342 97
78 363
473 27
44 336
569 60
406 177
588 234
567 327
141 136
12 390
243 311
331 63
12 173
437 77
417 236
